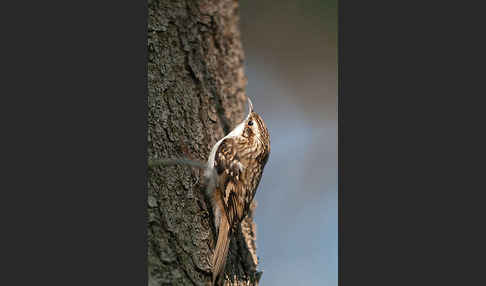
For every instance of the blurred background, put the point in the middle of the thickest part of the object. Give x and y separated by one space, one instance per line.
291 64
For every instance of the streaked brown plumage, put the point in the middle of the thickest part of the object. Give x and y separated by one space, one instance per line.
238 159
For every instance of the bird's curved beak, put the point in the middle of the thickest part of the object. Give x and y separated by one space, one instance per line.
250 107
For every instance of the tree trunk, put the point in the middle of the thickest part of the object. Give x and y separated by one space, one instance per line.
196 96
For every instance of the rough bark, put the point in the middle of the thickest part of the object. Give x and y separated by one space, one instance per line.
196 95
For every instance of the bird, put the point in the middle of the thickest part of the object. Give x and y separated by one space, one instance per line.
237 161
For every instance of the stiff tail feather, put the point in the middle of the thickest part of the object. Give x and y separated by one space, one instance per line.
221 251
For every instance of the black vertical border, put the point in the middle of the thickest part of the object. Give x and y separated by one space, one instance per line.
74 143
409 143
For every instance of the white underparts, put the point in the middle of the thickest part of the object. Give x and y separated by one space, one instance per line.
217 215
234 133
237 131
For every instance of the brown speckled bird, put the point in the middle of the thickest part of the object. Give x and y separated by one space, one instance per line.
238 160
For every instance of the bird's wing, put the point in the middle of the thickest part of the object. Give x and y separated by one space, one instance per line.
229 169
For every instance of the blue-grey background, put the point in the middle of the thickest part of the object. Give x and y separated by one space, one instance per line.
291 64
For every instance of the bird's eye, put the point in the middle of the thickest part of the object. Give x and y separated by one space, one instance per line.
250 123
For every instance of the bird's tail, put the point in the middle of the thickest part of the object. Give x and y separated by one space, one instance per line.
221 251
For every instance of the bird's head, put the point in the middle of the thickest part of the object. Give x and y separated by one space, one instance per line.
253 129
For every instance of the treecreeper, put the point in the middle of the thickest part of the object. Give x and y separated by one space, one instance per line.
233 172
235 166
